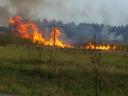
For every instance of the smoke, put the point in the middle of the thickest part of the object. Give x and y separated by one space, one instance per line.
113 36
100 11
114 12
24 8
110 36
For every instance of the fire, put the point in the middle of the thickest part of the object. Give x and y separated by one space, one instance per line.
104 47
55 41
29 30
22 27
15 20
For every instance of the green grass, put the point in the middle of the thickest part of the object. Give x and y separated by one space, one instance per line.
61 72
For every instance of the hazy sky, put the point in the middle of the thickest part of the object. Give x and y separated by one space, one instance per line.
114 12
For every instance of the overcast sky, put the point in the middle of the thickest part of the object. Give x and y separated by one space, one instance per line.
114 12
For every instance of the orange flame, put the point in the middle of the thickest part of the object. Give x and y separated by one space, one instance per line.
55 41
30 30
105 47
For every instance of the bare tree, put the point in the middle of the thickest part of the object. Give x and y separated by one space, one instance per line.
98 69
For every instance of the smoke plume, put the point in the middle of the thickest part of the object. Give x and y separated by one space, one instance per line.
100 11
24 8
111 36
89 11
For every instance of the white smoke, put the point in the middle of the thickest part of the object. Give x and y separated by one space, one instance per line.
90 11
111 36
100 11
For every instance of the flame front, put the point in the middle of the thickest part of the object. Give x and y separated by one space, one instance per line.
55 41
105 47
30 30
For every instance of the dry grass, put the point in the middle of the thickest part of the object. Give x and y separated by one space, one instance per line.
61 72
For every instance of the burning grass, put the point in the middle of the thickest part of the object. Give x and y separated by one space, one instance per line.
62 72
29 30
102 47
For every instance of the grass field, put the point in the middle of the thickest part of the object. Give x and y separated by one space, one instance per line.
61 72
